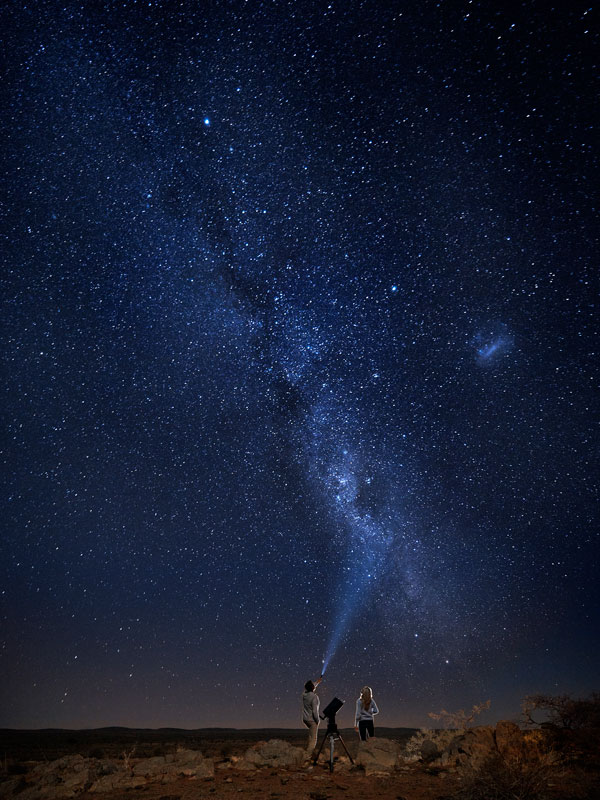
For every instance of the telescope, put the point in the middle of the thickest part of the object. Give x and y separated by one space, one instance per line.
332 733
331 710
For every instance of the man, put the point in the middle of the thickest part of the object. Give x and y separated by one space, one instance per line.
310 715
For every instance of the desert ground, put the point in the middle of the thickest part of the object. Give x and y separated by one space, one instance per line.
225 746
22 753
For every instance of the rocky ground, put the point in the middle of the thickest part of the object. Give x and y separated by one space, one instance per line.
383 769
227 781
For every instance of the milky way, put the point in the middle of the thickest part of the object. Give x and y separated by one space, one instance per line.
300 359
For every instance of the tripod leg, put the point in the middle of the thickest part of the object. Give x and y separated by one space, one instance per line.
331 749
346 749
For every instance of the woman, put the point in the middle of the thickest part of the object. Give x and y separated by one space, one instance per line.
366 709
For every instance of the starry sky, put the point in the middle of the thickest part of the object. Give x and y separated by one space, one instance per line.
298 344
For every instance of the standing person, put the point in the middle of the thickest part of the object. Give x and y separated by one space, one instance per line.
310 714
366 708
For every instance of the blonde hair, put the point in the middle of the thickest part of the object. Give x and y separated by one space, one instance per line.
366 697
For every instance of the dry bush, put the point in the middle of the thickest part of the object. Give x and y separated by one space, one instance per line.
127 755
460 719
440 737
580 784
570 726
563 711
501 778
453 724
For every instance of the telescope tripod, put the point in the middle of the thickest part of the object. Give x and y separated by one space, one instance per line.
332 734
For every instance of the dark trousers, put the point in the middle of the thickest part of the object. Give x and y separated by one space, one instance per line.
365 726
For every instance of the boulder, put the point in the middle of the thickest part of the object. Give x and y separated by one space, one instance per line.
110 776
274 753
12 786
472 748
378 755
244 766
182 763
509 739
192 763
70 776
55 780
120 780
450 754
151 767
429 751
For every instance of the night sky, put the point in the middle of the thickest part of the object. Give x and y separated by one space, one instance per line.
298 343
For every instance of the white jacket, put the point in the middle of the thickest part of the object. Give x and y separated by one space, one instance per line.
310 707
365 713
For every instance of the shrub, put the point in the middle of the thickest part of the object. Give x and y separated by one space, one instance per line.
440 738
459 719
562 711
501 778
567 725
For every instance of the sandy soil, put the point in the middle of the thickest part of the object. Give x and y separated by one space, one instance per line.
315 784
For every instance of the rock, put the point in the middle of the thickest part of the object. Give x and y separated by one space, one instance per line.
378 755
182 763
477 745
509 739
107 768
429 751
274 753
12 786
193 759
471 748
150 767
122 779
54 780
244 766
69 776
450 753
